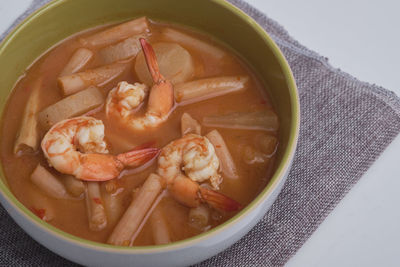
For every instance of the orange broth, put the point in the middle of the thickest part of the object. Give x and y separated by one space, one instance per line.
70 215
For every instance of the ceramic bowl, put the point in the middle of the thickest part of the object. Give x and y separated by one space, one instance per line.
217 18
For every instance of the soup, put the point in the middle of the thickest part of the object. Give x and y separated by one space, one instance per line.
138 134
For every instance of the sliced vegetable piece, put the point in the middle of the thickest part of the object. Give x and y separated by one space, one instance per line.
71 106
117 33
49 184
78 61
187 40
228 166
259 120
199 217
195 91
159 227
189 125
253 156
75 187
28 136
174 61
147 216
95 77
122 50
113 206
95 209
266 143
133 216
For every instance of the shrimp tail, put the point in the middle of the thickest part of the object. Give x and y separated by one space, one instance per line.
161 98
218 200
102 167
138 157
151 61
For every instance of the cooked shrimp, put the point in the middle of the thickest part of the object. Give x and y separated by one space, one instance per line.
124 100
193 154
185 163
182 165
63 143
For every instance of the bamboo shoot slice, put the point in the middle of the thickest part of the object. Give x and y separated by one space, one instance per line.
78 61
266 143
95 209
122 50
253 156
74 186
199 90
49 184
133 216
113 206
71 106
189 125
159 227
187 40
259 120
199 217
28 136
117 33
95 77
174 61
228 166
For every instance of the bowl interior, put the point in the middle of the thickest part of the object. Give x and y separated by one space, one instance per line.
224 23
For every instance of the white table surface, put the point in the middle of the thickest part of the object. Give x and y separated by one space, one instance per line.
362 38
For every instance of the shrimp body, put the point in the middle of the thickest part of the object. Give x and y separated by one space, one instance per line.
194 155
124 100
188 161
63 143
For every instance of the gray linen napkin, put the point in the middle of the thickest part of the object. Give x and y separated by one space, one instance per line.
345 126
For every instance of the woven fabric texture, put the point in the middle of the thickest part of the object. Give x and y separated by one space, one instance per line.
345 126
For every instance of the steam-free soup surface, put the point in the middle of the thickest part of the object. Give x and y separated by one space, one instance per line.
252 160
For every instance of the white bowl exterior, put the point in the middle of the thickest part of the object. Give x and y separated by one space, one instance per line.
180 256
